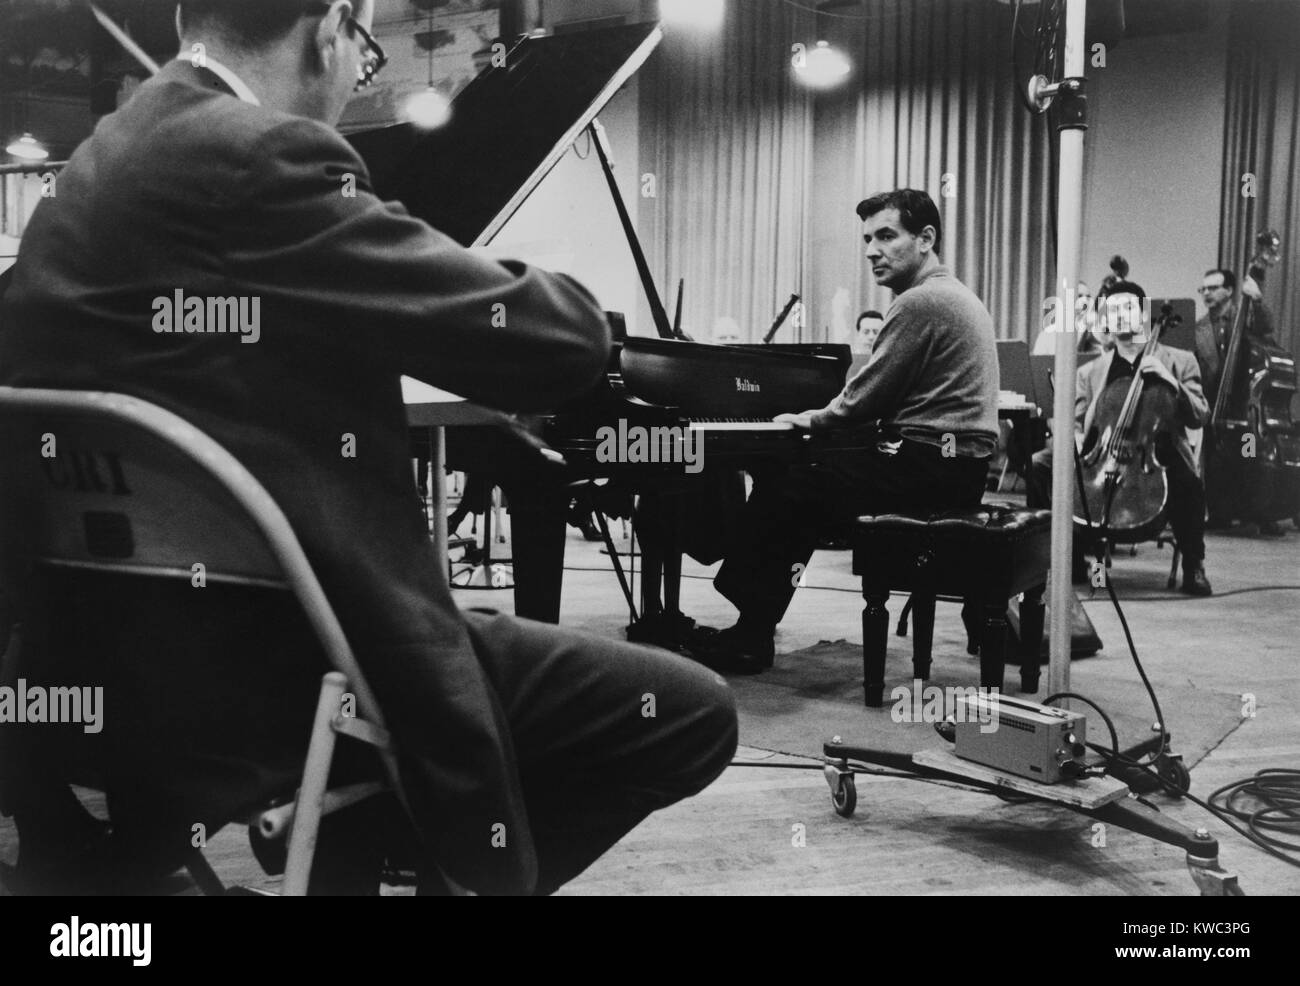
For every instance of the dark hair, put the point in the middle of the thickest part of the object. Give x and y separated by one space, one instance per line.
1120 287
253 24
872 313
916 210
1229 278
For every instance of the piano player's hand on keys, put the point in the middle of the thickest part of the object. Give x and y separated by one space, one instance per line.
801 421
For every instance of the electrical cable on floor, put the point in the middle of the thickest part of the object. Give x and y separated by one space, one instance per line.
1280 797
1114 598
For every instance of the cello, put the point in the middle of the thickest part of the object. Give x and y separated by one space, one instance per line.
1253 447
1123 484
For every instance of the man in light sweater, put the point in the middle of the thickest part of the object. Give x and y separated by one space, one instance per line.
931 384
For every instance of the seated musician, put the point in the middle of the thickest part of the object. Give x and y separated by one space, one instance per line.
524 747
931 383
868 331
1085 324
1218 291
1122 315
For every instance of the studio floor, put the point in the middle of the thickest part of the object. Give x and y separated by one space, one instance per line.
774 831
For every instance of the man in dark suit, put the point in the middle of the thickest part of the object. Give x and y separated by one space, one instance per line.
527 750
1218 292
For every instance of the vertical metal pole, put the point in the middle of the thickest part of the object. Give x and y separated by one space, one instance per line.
438 494
1069 241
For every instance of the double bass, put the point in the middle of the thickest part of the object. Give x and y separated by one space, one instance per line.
1123 484
1253 443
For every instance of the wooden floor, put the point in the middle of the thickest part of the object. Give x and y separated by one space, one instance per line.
773 831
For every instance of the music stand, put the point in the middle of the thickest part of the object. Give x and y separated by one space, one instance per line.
1183 335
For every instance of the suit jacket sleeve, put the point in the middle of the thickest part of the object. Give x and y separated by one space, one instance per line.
1193 408
315 236
1084 395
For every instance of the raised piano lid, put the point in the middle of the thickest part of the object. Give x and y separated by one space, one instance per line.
508 129
705 381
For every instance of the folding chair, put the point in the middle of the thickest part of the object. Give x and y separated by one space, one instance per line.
91 481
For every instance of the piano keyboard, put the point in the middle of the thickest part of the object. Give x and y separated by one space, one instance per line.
738 424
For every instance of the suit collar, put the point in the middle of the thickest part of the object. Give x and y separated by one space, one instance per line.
184 71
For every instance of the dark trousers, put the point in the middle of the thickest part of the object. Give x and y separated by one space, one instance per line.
789 512
1185 508
208 710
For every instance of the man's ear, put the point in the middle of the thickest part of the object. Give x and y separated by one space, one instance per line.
927 236
329 32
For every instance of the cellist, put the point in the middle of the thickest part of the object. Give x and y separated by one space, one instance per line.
1125 318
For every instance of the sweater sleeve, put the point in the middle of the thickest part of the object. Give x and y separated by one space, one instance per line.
875 390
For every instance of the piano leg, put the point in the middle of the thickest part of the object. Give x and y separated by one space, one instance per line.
537 518
674 519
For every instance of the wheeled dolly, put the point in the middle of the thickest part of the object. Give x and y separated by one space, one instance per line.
1202 848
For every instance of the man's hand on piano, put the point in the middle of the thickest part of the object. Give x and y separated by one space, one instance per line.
801 421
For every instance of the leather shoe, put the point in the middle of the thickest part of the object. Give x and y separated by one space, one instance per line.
1195 583
1271 529
731 652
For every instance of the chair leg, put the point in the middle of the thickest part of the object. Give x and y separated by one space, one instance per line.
311 795
204 877
1032 616
922 634
875 640
993 644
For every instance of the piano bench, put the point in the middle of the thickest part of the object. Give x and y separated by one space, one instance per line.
984 555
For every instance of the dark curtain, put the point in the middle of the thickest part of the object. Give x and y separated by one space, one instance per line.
1262 139
757 178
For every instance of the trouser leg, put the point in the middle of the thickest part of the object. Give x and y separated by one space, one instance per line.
1185 508
779 529
605 733
1038 483
787 513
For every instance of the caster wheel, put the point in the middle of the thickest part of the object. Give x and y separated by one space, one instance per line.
1172 770
845 796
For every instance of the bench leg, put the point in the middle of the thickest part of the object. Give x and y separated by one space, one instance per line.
922 634
993 644
875 639
1032 614
970 619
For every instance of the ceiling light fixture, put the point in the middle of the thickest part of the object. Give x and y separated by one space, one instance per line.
705 15
822 67
428 109
27 148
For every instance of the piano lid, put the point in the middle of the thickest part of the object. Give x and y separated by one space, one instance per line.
508 129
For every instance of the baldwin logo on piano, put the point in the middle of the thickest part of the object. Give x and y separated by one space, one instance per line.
639 444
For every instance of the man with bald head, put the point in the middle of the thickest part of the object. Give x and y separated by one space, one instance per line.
525 749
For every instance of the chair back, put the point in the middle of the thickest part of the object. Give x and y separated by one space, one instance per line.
111 483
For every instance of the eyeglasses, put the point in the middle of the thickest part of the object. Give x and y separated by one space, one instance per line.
373 61
1210 287
373 57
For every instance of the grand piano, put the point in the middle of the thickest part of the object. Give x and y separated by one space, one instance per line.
508 129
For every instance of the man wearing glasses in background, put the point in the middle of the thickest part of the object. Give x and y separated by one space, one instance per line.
527 750
1218 292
